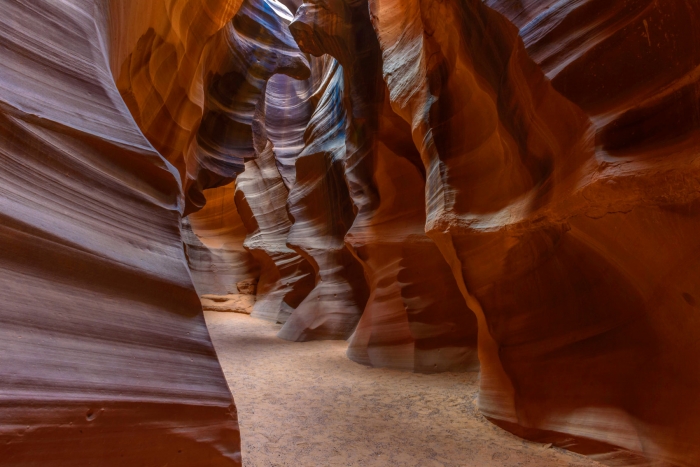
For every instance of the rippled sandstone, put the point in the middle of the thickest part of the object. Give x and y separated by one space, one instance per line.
106 358
565 207
448 184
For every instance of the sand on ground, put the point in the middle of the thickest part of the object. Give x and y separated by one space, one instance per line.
307 405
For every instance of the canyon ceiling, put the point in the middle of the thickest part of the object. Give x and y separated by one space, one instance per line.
503 186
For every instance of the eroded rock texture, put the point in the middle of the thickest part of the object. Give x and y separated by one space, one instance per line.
254 46
323 212
213 240
564 208
158 59
429 179
106 359
214 81
285 277
403 325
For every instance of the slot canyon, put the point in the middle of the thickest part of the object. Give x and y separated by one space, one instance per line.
349 233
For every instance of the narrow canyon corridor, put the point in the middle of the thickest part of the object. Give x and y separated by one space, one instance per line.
381 233
307 404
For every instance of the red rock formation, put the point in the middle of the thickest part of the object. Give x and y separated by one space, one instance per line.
323 211
403 324
106 359
199 111
246 53
234 64
285 277
289 104
524 168
560 241
157 59
416 317
213 239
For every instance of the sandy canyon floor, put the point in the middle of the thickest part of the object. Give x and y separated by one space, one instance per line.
307 405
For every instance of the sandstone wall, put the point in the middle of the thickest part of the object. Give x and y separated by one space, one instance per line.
106 359
448 185
564 207
213 239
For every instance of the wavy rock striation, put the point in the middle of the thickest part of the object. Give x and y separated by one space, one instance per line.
429 179
234 66
158 58
285 277
219 77
213 239
403 324
322 210
551 200
106 358
244 55
289 105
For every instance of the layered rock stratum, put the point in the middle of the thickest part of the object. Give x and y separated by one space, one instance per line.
449 185
106 359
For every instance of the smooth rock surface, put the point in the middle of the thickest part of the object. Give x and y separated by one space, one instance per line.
564 208
105 358
285 276
323 211
433 180
213 238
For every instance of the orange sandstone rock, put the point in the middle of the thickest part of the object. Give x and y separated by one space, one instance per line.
425 178
213 239
323 212
563 207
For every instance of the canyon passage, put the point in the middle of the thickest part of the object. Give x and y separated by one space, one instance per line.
349 232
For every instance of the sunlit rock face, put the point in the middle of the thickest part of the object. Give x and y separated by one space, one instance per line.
323 212
242 236
159 60
252 48
414 317
106 359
